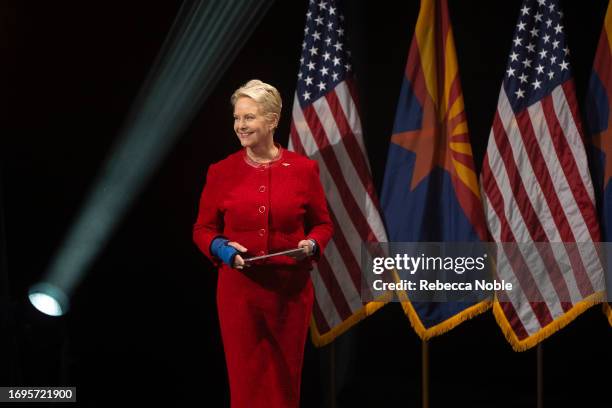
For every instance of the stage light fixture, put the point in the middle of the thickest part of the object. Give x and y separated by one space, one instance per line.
49 299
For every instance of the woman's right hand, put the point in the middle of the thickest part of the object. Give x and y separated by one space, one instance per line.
238 260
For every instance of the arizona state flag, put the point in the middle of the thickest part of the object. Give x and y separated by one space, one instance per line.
599 114
430 189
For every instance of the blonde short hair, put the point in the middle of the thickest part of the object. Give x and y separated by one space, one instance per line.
265 95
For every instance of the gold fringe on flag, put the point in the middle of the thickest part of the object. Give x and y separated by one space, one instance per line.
548 330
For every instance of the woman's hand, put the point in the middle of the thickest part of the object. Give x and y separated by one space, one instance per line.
238 260
307 246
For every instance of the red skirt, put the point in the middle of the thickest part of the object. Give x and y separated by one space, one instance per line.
264 312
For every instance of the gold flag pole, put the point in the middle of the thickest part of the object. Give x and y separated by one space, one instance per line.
540 375
425 372
332 375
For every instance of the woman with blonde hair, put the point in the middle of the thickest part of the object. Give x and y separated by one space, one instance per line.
261 200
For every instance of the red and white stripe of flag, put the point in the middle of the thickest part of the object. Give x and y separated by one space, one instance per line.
537 188
329 131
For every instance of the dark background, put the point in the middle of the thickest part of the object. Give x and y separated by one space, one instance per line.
143 325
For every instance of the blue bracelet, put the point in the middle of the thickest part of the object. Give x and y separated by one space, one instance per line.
221 250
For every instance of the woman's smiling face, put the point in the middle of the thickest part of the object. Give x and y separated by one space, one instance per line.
250 124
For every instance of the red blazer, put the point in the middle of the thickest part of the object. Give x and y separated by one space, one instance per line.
264 207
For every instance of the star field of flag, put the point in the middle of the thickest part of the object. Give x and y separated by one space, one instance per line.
325 61
539 60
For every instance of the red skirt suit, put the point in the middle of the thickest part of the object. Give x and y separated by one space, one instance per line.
264 310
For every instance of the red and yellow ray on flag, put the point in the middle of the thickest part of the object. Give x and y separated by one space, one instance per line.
603 67
443 139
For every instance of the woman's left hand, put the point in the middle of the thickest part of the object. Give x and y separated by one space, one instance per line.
307 246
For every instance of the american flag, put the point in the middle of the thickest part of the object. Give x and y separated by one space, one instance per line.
537 186
326 127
